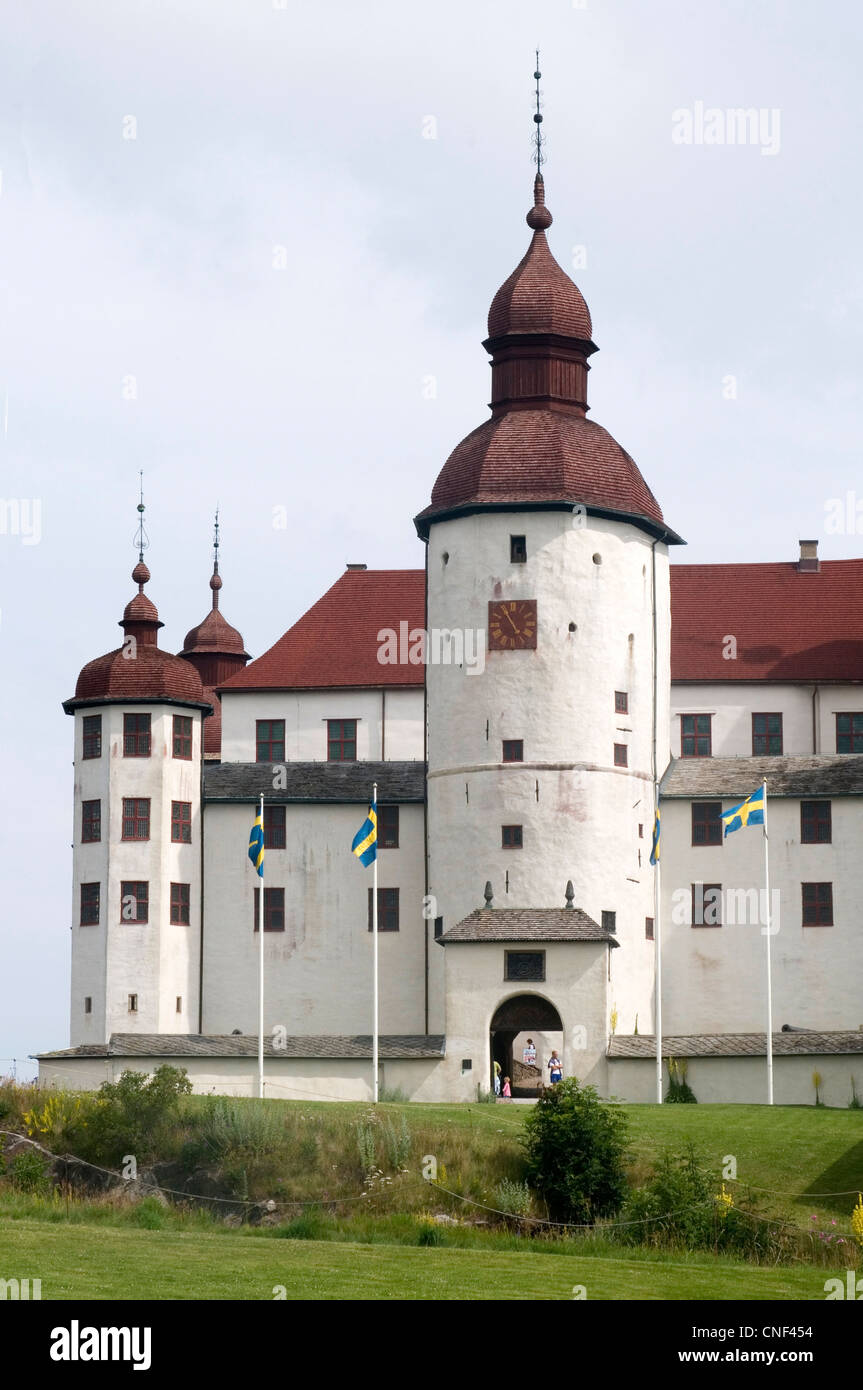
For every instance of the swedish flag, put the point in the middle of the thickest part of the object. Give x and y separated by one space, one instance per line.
365 842
749 812
256 844
654 848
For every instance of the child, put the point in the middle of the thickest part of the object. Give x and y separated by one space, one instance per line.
507 1093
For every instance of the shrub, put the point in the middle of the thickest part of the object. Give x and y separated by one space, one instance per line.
576 1147
398 1143
428 1232
149 1214
679 1091
242 1127
133 1115
307 1226
513 1198
28 1172
367 1146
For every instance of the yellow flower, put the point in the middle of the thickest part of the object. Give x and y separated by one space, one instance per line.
857 1221
724 1201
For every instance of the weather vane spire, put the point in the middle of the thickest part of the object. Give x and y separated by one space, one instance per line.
142 540
538 142
216 579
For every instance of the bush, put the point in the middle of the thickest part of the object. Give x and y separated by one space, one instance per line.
393 1095
428 1232
576 1148
28 1172
242 1127
679 1091
133 1115
513 1198
398 1144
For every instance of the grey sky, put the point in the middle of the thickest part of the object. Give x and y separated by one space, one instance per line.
302 387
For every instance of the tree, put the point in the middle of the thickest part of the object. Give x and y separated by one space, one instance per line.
576 1147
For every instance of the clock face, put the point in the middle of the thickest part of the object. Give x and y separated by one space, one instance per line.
512 625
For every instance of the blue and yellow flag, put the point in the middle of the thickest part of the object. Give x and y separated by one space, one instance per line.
654 848
365 843
256 844
749 812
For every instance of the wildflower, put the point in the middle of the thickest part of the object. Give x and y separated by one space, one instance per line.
857 1221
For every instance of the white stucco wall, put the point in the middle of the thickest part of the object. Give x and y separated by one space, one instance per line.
156 960
318 972
389 722
808 713
743 1080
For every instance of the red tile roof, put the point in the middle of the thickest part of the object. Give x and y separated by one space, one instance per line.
789 626
335 644
539 296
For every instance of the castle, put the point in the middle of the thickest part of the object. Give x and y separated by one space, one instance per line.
524 705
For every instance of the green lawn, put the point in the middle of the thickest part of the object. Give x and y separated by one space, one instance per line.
90 1262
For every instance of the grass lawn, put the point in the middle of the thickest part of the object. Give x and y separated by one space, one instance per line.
93 1262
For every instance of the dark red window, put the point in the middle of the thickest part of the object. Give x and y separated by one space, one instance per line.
816 823
706 823
91 821
695 735
274 909
341 740
275 827
513 750
511 836
136 735
136 818
766 734
388 909
621 702
90 895
134 901
707 904
817 904
849 733
648 928
270 741
388 827
92 731
621 755
181 822
182 736
180 904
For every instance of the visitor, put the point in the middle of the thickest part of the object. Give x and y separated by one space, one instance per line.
529 1054
507 1093
497 1078
555 1068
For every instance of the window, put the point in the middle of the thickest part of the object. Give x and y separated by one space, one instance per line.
90 894
849 733
621 702
511 837
609 921
274 909
518 549
136 818
513 750
179 1003
341 740
524 965
388 827
707 904
180 904
438 927
88 1003
621 755
270 741
817 904
91 821
92 736
133 1003
134 901
706 822
695 736
766 734
182 736
181 822
275 827
388 909
136 735
648 929
816 827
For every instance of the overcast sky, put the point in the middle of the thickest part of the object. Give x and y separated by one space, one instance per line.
249 297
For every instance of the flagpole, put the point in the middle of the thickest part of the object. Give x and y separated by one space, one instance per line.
375 963
261 974
657 953
769 973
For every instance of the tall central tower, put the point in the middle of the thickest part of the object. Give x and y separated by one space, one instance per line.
543 537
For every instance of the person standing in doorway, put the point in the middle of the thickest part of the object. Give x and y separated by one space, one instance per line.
507 1092
555 1068
497 1078
528 1056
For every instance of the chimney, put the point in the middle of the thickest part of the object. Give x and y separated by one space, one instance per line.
808 562
356 567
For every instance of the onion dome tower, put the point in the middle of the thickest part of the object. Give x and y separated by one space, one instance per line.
136 907
547 557
216 651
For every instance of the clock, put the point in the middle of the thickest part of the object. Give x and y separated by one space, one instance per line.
512 625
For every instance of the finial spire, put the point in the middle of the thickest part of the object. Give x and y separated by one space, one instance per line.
538 142
142 540
216 580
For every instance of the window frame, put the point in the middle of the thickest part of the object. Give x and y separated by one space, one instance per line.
388 838
275 834
512 837
608 920
341 741
274 906
711 824
649 929
524 979
91 822
854 735
138 735
178 905
696 736
97 899
87 736
518 552
136 883
135 818
621 702
271 742
621 755
767 752
182 737
389 909
817 821
705 889
180 822
827 906
509 756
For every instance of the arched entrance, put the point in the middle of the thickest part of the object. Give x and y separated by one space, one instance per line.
517 1019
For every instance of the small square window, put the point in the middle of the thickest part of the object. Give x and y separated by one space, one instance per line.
275 827
524 965
817 904
182 736
136 735
92 730
511 837
518 550
621 755
621 702
707 904
91 821
695 736
513 750
180 904
133 1003
181 822
90 901
609 921
816 823
388 827
388 910
648 928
